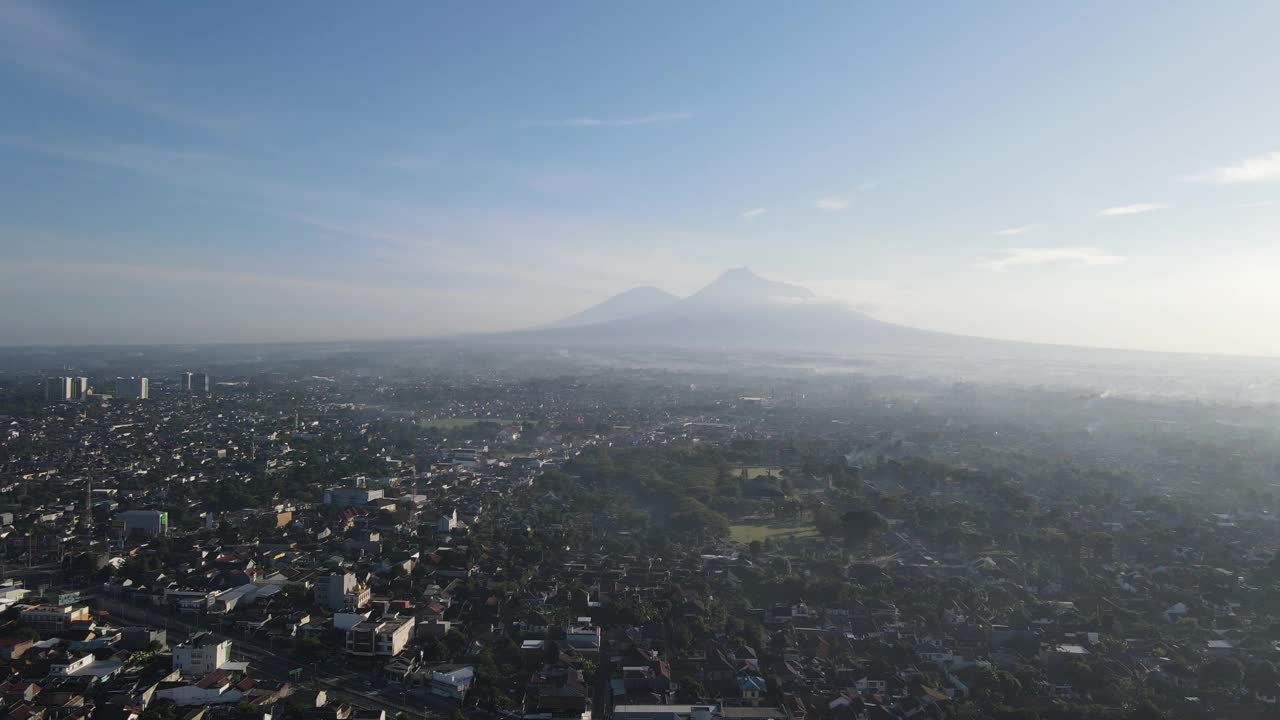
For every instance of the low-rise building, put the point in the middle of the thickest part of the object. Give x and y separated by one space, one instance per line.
664 712
341 591
148 522
345 497
53 618
201 653
583 636
384 637
451 682
140 638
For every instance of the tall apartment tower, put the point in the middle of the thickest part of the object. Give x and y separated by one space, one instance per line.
184 382
135 388
79 388
87 512
57 389
200 383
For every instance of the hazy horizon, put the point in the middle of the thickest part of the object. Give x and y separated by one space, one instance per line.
1096 175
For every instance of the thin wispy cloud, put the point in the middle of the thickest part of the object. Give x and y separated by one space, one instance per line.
1258 204
1020 230
143 159
1029 257
220 278
1135 209
754 213
288 305
564 182
592 121
837 203
40 40
1260 168
190 168
409 162
393 232
36 37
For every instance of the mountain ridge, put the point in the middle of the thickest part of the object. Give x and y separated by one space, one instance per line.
628 303
740 284
740 309
778 317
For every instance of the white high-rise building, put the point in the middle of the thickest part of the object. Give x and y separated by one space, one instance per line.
135 388
184 382
57 389
79 388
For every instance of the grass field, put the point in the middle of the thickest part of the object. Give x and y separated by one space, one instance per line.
762 530
456 423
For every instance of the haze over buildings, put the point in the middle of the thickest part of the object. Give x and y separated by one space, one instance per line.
650 361
134 388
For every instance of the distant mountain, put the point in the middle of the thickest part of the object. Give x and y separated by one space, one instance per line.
743 310
633 302
740 286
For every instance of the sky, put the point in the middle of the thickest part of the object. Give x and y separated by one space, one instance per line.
1092 173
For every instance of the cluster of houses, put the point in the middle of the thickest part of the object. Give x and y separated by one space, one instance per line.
457 577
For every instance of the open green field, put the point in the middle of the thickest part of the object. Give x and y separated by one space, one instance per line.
457 423
762 530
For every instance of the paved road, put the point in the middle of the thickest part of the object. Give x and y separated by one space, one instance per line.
338 677
18 570
600 706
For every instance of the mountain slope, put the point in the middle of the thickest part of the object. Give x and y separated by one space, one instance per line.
633 302
743 310
740 286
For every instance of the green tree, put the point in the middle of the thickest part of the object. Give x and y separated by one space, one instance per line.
1262 675
1223 672
160 710
433 649
311 649
861 525
455 642
681 637
1146 711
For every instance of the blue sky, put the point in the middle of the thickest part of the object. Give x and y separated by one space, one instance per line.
1096 173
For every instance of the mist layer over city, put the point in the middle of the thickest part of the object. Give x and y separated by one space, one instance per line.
570 361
